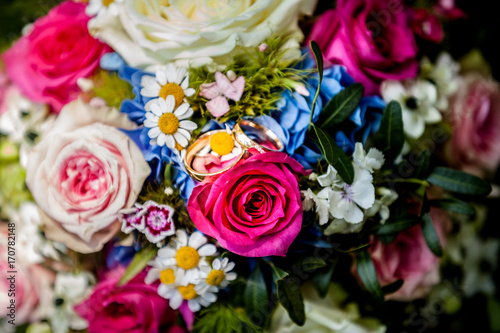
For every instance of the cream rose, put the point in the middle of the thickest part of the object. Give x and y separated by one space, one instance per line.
196 30
82 172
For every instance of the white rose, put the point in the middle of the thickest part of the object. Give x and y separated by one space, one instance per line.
82 173
200 31
325 315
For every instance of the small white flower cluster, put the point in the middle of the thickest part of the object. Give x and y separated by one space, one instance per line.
167 113
348 205
186 275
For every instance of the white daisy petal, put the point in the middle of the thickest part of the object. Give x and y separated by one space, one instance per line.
170 141
167 252
229 266
161 139
196 240
181 109
185 84
189 92
207 250
182 237
161 76
181 139
156 110
154 132
176 301
187 114
171 73
149 123
209 297
231 276
181 73
216 264
193 305
186 134
169 104
188 125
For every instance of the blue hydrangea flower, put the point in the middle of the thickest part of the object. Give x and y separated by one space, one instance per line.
156 156
295 111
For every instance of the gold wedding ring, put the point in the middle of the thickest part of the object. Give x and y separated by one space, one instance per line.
264 140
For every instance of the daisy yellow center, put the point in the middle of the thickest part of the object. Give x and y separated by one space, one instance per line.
187 292
215 277
187 257
175 90
222 143
167 276
168 123
106 3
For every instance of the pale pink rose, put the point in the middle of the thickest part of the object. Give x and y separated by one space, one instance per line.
46 63
408 258
475 117
82 173
253 209
32 286
372 38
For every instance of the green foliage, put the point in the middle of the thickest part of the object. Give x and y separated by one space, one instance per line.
290 297
111 88
319 64
398 224
323 278
390 137
341 106
266 74
256 295
334 155
223 318
366 272
453 205
138 263
431 236
459 182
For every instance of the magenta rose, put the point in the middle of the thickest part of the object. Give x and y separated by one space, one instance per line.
46 63
372 38
408 258
475 117
134 307
254 209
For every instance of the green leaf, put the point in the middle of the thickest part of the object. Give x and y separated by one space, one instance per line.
388 239
397 225
311 263
167 176
326 145
256 293
138 263
424 162
392 287
319 59
290 297
356 249
277 272
430 235
459 182
390 137
341 106
453 205
367 274
323 278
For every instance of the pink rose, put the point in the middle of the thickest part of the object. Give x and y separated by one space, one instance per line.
253 209
134 308
408 258
427 25
32 286
372 38
46 63
475 116
82 173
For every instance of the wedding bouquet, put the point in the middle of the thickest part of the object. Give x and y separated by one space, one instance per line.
244 166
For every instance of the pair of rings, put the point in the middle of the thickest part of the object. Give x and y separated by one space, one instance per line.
252 137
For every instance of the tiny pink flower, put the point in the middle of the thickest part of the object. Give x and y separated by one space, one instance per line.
218 92
263 47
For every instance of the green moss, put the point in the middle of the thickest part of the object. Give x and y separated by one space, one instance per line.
222 318
112 89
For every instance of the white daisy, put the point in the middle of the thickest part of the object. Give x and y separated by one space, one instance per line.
187 255
169 80
177 294
169 127
99 7
217 277
223 145
418 100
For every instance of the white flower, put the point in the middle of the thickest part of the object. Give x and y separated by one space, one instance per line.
178 294
223 145
321 202
101 7
168 80
347 200
168 191
418 100
169 127
381 206
197 32
444 73
219 276
69 290
187 255
371 161
330 178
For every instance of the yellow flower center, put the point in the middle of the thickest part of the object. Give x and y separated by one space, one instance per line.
168 123
167 276
188 291
187 257
215 277
106 3
222 143
175 90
